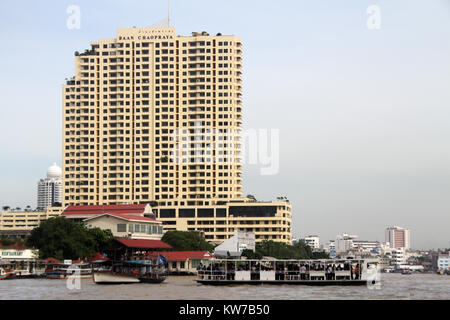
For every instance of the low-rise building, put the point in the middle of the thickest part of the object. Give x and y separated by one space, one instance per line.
185 262
19 223
127 226
443 262
268 220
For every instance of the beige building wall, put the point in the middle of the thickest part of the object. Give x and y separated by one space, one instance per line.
127 229
272 221
26 220
154 117
140 97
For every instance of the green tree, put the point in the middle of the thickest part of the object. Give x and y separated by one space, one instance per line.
62 238
279 250
186 241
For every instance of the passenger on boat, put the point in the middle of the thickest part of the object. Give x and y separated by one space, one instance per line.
303 272
357 272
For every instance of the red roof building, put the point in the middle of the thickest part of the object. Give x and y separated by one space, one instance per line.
144 244
183 262
84 212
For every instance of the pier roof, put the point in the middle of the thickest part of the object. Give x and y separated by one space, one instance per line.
144 244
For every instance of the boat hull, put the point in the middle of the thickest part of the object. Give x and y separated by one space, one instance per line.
281 282
114 278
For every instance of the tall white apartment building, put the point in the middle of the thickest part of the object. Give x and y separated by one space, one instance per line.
50 188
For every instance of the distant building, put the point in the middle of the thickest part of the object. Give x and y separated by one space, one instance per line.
344 242
443 262
50 188
313 242
18 224
398 237
398 256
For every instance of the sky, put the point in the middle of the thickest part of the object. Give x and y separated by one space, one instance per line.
363 113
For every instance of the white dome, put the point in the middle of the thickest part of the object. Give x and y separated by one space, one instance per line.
54 172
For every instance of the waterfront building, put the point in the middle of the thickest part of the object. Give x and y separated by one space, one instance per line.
398 237
398 256
313 242
19 223
154 117
127 226
268 220
49 192
184 262
344 242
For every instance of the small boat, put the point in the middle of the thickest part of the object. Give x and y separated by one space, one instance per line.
139 271
406 272
6 275
349 272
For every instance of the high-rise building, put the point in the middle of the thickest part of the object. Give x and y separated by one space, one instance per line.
50 188
154 117
398 238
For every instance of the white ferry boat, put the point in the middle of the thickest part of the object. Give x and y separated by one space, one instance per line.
297 272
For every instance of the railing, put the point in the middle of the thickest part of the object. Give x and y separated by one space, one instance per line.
246 275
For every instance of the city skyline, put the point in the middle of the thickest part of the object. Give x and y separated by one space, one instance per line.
361 112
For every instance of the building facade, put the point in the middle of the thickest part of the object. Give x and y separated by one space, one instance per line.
268 220
20 223
398 238
127 226
154 116
313 242
49 192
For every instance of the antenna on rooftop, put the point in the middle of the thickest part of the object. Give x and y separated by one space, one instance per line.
168 15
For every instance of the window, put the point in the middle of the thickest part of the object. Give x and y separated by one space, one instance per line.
121 228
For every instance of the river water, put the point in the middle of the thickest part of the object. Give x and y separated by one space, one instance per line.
392 286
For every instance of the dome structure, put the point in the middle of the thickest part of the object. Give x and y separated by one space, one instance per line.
54 172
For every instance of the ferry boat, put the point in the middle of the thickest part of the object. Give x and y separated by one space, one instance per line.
126 272
297 272
65 271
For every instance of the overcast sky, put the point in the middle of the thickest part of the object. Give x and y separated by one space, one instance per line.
363 114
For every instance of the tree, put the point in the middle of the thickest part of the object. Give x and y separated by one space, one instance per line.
187 241
279 250
62 238
6 208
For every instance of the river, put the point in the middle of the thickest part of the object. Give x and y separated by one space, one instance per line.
393 286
